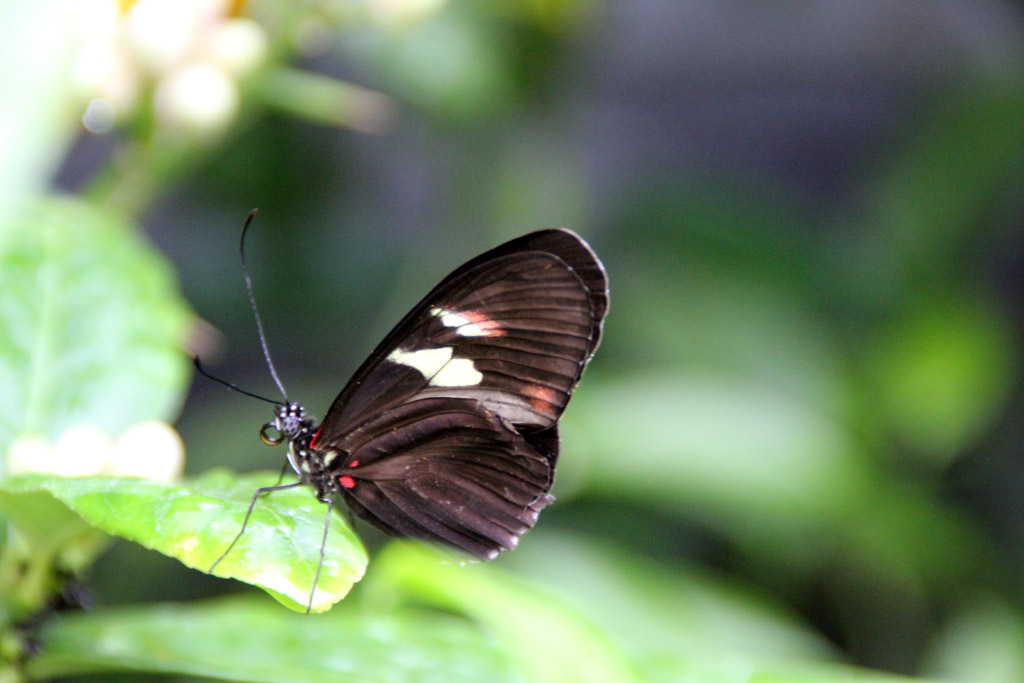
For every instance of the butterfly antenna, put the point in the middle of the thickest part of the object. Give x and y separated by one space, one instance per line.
202 371
255 311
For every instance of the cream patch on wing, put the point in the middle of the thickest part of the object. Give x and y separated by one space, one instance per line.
439 367
468 324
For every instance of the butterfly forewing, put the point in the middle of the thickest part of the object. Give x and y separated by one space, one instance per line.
514 332
448 432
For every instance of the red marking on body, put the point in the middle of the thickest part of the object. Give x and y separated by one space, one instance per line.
312 443
347 481
541 398
485 322
354 463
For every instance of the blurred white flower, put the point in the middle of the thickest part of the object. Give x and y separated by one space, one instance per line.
236 45
81 451
100 69
164 33
198 97
150 450
188 53
29 454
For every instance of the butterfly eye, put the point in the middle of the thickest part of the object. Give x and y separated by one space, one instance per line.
265 434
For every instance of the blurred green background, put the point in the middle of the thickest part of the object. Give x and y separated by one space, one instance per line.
801 438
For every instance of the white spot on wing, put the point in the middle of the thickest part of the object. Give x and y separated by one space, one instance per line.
438 365
458 372
428 361
449 318
465 327
471 330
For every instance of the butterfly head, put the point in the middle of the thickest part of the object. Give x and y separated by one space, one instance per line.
290 423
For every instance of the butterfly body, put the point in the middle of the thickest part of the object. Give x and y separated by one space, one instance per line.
448 432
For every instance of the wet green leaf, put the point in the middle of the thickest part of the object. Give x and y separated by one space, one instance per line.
196 521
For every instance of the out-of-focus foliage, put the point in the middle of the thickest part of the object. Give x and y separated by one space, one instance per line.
795 457
113 368
205 640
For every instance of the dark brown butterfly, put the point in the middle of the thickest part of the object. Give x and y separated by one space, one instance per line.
448 432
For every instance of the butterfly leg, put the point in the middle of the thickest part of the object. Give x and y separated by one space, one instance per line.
248 514
323 545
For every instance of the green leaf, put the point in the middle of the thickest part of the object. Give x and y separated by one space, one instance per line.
93 323
657 612
547 640
196 521
691 438
944 372
741 671
50 541
982 640
249 640
785 480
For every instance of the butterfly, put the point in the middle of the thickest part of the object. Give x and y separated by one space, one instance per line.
448 432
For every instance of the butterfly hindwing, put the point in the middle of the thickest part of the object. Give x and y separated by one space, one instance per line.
446 470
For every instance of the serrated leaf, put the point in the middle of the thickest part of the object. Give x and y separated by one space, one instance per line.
93 325
249 640
196 521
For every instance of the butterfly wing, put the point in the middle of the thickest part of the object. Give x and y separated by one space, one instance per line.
513 328
452 420
446 470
